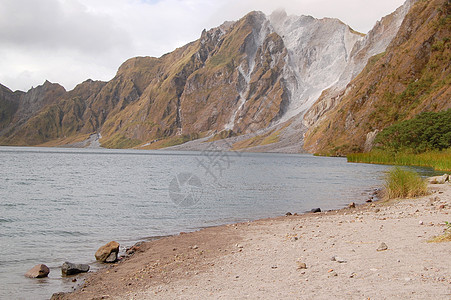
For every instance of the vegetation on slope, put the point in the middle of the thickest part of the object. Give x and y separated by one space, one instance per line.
411 77
423 141
428 131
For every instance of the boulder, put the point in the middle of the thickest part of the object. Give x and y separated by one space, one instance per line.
71 269
107 252
111 258
38 271
316 210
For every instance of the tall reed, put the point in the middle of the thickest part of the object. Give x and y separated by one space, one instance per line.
439 160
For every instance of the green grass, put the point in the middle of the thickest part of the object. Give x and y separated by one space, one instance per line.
119 141
402 183
439 160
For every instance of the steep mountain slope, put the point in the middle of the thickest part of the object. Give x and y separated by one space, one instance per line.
48 112
254 76
412 76
9 104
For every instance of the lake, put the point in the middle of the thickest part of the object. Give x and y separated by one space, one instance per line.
61 204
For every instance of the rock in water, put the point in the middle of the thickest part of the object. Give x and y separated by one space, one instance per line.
104 252
38 271
71 269
316 210
382 247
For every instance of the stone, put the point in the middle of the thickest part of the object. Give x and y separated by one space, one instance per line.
108 251
421 223
112 258
58 296
69 268
351 205
316 210
339 259
439 179
382 247
38 271
288 214
369 201
333 274
301 265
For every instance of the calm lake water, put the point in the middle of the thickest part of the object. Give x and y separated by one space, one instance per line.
60 205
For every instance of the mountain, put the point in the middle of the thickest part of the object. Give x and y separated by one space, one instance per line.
410 77
257 84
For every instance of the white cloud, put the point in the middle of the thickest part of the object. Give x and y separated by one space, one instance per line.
68 41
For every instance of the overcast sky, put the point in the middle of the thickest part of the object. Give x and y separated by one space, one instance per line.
69 41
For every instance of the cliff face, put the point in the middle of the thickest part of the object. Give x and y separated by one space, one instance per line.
411 76
257 73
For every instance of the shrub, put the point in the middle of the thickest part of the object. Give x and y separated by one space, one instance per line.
427 131
402 183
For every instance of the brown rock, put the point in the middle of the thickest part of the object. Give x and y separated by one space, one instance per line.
104 252
38 271
351 205
301 265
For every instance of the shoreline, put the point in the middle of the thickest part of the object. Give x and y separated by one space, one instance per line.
250 259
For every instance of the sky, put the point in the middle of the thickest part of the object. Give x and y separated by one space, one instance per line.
70 41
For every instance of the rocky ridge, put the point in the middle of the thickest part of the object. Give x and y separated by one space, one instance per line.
253 77
411 76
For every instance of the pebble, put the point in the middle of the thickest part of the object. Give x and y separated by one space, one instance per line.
421 223
301 265
382 247
338 259
195 247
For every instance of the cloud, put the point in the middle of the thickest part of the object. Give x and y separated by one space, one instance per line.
359 14
68 41
40 39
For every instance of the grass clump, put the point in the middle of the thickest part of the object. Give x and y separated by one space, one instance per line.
445 237
402 183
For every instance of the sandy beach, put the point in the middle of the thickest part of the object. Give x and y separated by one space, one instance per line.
328 255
